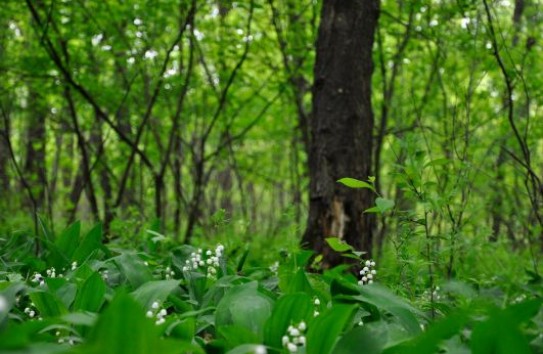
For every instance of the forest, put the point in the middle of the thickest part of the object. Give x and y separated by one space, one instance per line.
271 176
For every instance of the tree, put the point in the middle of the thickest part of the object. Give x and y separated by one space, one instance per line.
341 127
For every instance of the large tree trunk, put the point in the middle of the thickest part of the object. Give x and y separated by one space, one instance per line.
341 127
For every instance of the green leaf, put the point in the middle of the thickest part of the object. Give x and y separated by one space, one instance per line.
428 342
182 329
246 307
124 329
80 318
46 231
383 299
236 335
133 268
289 270
341 287
355 183
300 283
157 290
90 243
501 333
9 294
384 204
68 240
64 290
356 339
290 308
374 209
246 349
47 304
437 162
323 333
338 245
90 296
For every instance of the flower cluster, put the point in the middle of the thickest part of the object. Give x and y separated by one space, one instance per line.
211 261
52 273
436 294
274 268
295 337
38 278
158 314
317 303
66 339
367 273
31 310
432 295
169 273
520 298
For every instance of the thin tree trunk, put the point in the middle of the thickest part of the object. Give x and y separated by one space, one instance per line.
4 161
35 148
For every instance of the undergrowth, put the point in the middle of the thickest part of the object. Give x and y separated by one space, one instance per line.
227 295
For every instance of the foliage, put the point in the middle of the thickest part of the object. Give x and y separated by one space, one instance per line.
116 302
180 124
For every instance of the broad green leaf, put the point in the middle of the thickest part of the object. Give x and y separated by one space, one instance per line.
358 340
355 183
68 241
374 209
246 307
47 304
133 268
338 245
89 244
428 342
182 329
247 349
45 230
384 205
123 329
289 309
90 296
80 318
64 290
340 286
324 332
300 283
40 348
9 296
290 269
384 300
236 335
157 290
501 333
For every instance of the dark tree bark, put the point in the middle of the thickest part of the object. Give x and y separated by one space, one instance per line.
85 160
4 129
4 161
35 148
341 127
